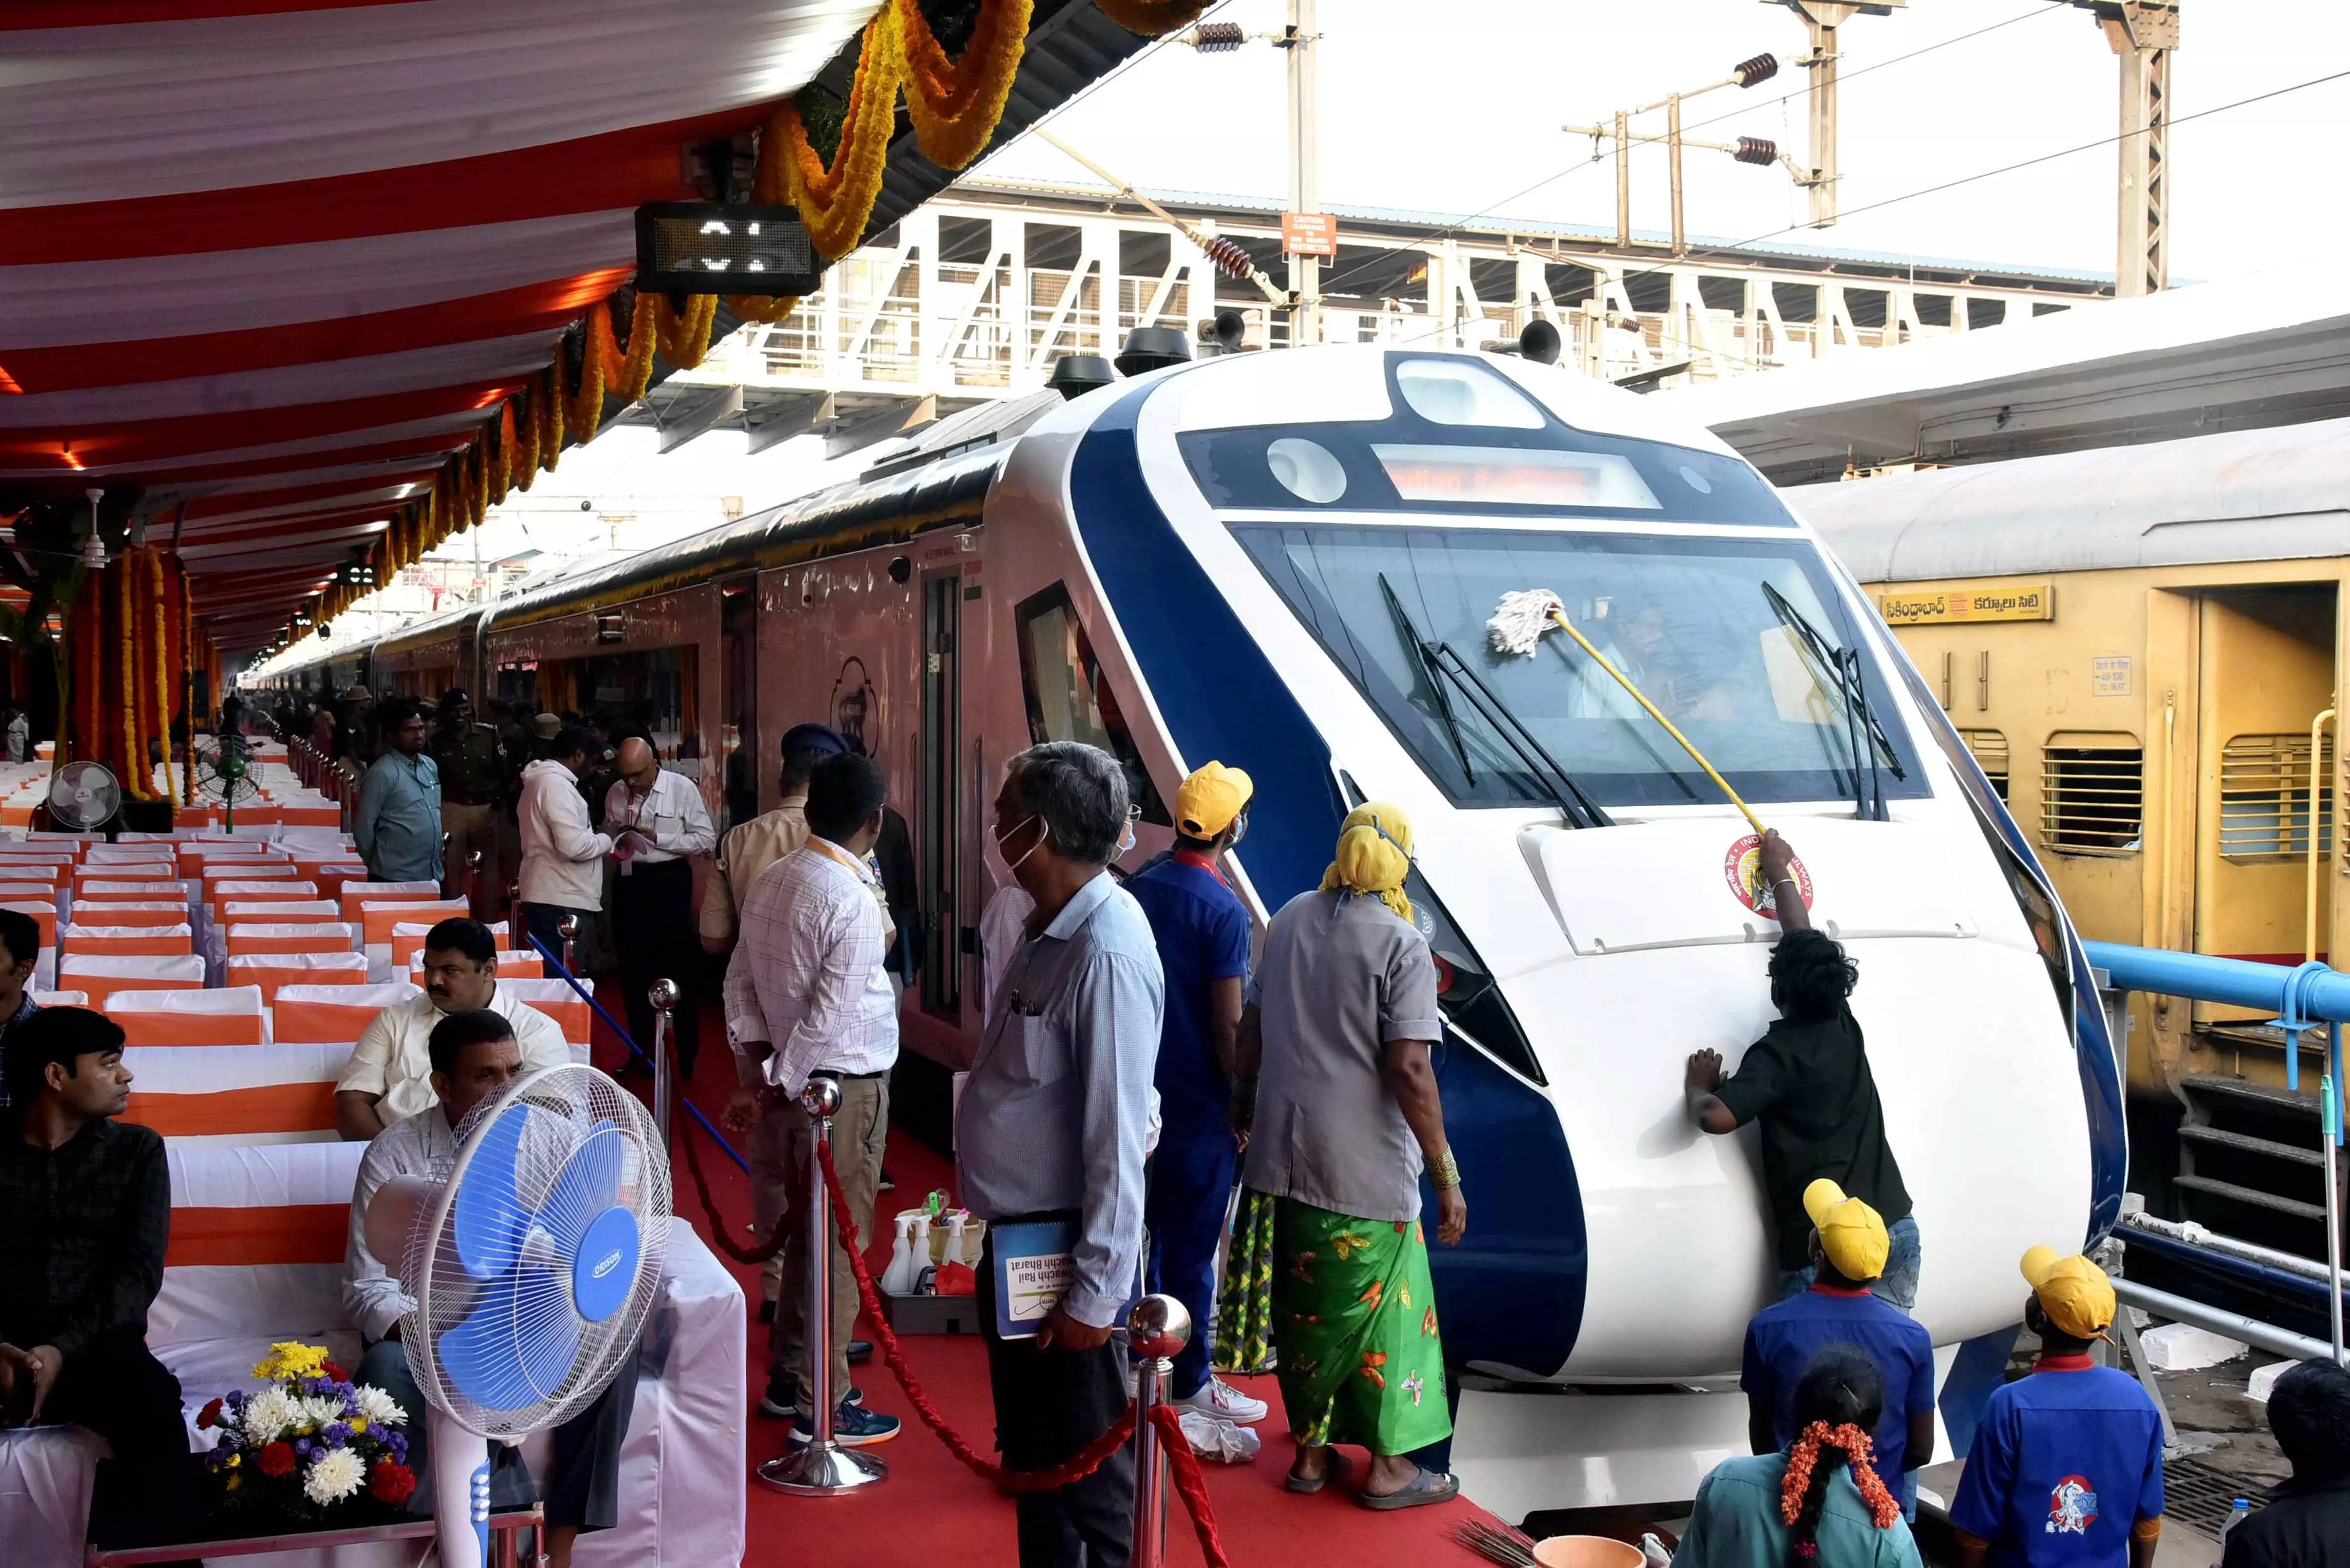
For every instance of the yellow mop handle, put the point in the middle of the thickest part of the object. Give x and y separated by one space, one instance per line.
1624 681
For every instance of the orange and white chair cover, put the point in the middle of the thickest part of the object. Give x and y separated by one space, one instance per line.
149 941
128 871
133 912
310 1014
58 998
241 1095
43 915
102 975
355 894
559 1002
230 1015
408 940
271 971
218 895
288 936
380 914
237 911
512 965
114 889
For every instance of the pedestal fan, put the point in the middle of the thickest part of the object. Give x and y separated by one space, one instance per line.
531 1261
84 796
224 775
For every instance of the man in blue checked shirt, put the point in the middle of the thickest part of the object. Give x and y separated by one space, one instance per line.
1051 1127
398 824
2067 1467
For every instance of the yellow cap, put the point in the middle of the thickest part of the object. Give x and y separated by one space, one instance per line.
1852 1234
2073 1292
1210 799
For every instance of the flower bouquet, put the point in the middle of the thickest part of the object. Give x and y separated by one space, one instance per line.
311 1446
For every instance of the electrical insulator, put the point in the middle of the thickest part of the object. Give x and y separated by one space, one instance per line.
1761 68
1228 257
1759 149
1215 37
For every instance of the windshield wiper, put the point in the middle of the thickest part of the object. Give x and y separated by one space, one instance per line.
1437 660
1842 667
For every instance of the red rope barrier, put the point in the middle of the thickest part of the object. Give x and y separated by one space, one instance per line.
1189 1484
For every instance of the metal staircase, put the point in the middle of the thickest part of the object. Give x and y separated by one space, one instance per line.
2250 1165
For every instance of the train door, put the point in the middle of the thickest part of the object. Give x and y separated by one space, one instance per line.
738 697
2265 672
941 825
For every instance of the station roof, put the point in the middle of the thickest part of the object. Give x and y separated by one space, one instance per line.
2242 354
274 262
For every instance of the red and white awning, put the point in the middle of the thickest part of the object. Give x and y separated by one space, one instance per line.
275 259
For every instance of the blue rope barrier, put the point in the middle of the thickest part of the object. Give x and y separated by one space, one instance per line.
621 1030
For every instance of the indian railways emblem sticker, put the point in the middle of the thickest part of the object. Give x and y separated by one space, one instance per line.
1741 868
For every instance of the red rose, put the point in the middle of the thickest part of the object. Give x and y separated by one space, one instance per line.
330 1370
209 1416
277 1459
390 1484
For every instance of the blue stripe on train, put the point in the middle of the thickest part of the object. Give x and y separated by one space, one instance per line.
1512 1291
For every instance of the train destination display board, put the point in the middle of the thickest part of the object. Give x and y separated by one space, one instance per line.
2007 601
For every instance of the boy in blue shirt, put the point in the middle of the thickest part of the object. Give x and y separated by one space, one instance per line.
1202 930
2066 1468
1848 1248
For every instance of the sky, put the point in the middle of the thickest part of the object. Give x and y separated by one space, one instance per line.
1449 108
1452 107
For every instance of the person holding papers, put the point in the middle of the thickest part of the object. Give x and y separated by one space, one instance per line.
1049 1143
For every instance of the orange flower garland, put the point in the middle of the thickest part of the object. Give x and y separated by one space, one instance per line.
835 203
160 668
955 104
1859 1448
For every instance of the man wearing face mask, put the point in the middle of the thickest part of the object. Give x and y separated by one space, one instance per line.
1051 1128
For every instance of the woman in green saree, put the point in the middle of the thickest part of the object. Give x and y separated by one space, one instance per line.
1342 1014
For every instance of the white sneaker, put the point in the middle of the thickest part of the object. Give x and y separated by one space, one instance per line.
1219 1398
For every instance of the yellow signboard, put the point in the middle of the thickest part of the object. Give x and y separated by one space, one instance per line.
2012 601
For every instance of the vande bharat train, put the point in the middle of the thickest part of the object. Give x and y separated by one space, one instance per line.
1287 561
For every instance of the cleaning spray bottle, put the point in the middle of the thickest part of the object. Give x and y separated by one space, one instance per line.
897 1279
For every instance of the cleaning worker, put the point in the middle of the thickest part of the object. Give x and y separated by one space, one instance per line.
1848 1250
1202 931
2067 1467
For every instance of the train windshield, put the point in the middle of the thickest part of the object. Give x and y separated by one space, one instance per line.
1703 627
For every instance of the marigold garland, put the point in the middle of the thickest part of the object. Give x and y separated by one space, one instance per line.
1859 1449
956 104
1151 18
835 203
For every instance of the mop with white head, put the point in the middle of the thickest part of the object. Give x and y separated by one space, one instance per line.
1522 619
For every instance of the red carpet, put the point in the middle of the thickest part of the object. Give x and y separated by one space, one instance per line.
932 1511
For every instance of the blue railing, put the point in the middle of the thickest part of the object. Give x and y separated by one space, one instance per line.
641 1054
2303 997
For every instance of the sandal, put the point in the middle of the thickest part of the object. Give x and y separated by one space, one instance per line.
1333 1467
1423 1489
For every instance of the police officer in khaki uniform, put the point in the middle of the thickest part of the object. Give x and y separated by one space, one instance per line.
474 785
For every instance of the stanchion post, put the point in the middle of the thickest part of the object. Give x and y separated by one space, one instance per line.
663 996
1157 1330
823 1467
474 878
567 928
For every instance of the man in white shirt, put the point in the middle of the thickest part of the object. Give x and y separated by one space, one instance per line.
806 994
389 1077
474 1057
562 853
657 821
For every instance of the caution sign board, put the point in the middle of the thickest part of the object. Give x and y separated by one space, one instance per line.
1309 234
2007 601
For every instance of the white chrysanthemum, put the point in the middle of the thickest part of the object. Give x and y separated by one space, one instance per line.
333 1476
379 1407
318 1411
269 1415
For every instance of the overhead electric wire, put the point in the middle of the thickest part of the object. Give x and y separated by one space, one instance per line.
2049 9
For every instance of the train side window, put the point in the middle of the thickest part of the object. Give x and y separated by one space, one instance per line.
1990 750
1069 697
2092 793
2264 797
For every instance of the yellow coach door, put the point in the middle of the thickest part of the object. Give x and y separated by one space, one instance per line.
2266 671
